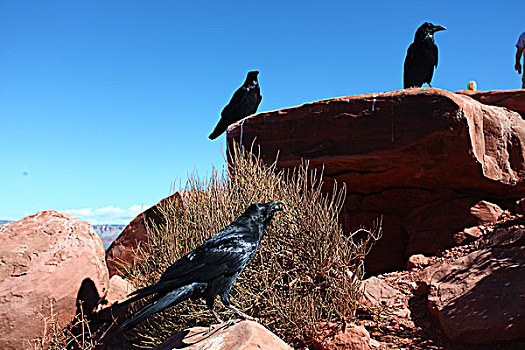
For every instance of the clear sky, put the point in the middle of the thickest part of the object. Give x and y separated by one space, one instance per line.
104 105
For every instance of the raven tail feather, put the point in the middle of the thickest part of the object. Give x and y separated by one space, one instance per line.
171 298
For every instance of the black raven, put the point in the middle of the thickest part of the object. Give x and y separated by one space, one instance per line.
209 270
422 57
243 103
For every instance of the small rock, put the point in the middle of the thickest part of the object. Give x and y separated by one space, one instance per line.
119 288
519 207
374 343
486 212
353 338
416 261
403 313
376 291
473 232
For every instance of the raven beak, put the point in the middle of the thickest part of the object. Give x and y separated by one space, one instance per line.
438 28
275 206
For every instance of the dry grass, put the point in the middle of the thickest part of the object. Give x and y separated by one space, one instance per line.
306 272
76 335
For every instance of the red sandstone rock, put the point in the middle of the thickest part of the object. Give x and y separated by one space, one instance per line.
118 290
438 139
486 212
245 335
511 99
474 232
520 206
378 292
479 298
352 338
417 260
47 258
397 152
120 252
510 236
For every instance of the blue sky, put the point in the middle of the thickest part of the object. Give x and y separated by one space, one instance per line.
104 105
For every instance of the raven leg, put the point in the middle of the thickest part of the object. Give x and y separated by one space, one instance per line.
211 305
240 313
226 301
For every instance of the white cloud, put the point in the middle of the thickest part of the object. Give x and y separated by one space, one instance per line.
108 215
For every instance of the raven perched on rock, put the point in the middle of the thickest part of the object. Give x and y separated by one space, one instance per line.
243 103
422 57
209 270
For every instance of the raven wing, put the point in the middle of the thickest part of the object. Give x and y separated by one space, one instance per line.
407 80
430 55
243 103
219 255
235 110
434 55
226 253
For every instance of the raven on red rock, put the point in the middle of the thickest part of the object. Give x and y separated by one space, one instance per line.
243 103
422 57
211 269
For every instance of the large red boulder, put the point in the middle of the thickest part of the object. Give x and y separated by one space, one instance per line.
480 298
48 260
122 253
511 99
400 153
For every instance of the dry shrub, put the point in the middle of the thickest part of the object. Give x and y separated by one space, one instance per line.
76 335
306 272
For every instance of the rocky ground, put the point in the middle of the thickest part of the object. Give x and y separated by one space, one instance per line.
399 318
409 324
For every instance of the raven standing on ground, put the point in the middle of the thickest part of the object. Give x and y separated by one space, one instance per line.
243 103
422 57
209 270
